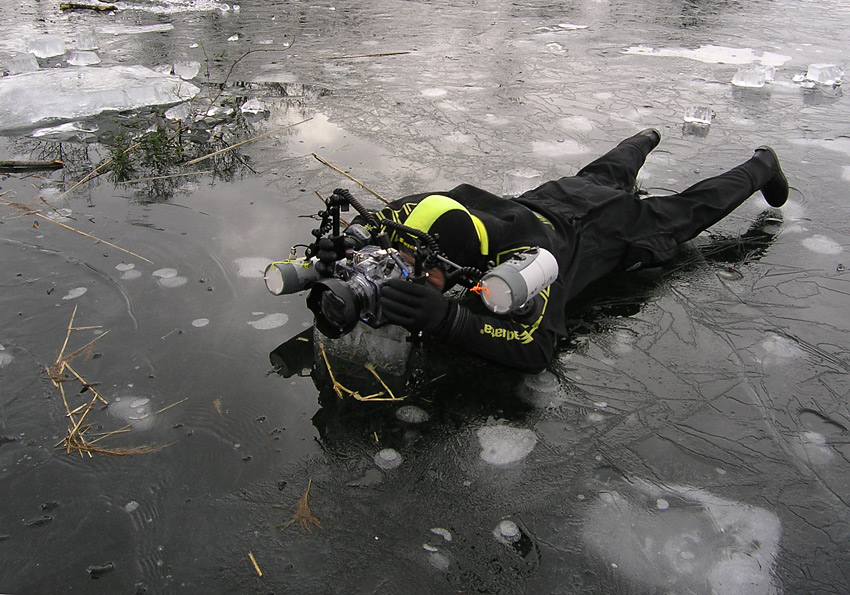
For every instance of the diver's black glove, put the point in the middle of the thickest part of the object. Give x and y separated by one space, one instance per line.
415 306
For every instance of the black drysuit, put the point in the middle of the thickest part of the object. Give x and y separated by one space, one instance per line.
594 224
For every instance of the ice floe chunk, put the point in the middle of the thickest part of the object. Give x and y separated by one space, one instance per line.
186 69
824 74
83 58
253 106
503 445
517 181
73 93
751 76
66 131
86 40
23 63
699 115
46 46
200 322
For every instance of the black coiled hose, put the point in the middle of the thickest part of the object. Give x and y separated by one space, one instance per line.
467 276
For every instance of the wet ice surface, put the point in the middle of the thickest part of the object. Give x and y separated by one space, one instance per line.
692 436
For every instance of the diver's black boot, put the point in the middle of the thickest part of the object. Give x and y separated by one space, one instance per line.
653 134
775 190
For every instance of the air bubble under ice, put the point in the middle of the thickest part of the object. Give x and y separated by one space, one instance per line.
503 445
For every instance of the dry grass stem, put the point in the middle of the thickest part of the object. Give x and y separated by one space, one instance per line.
379 55
254 562
244 142
76 439
180 175
303 516
350 177
32 211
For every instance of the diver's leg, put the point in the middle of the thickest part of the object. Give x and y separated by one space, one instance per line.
688 213
618 168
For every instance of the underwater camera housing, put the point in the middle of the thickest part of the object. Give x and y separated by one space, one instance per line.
353 293
350 293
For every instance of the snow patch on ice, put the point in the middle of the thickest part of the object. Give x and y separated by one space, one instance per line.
434 92
822 244
713 54
812 447
576 124
179 6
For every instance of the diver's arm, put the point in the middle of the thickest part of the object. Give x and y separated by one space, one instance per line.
523 344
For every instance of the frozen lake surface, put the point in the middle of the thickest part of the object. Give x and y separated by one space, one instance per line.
692 436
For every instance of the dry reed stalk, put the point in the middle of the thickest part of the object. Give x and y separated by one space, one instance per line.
338 387
379 55
180 175
69 228
350 177
76 439
254 562
244 142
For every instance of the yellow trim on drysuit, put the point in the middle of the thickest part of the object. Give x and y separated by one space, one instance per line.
430 209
